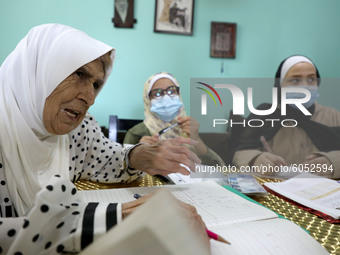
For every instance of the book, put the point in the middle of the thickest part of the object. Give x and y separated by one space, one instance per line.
249 227
316 192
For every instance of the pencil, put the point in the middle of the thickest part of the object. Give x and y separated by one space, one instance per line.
265 144
168 128
216 237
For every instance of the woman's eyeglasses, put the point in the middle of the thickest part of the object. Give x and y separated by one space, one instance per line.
159 93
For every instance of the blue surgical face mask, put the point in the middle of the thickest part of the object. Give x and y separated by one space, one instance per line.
314 92
166 107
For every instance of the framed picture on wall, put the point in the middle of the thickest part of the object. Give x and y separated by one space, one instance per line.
174 16
223 40
123 13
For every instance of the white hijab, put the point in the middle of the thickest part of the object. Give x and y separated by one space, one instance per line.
290 62
41 61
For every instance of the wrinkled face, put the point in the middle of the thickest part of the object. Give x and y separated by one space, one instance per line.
67 105
300 74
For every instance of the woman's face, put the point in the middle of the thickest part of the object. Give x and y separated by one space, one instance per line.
67 105
300 74
161 85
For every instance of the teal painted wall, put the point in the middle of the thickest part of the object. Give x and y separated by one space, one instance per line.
267 32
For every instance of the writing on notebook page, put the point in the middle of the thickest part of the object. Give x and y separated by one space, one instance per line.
316 192
249 227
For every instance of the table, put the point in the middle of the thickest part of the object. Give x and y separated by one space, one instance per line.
327 234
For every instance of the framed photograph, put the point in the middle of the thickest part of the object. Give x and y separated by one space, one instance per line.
124 13
223 40
174 16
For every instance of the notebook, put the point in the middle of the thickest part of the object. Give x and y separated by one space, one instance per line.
316 192
249 227
145 232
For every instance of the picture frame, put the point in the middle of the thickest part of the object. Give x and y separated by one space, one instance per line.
123 13
223 40
174 17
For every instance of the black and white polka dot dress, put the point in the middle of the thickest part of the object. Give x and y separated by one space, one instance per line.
60 222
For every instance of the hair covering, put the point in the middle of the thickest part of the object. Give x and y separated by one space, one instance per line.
324 138
288 63
41 61
151 120
158 76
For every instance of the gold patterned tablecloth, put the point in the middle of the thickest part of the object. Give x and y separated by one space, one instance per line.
327 234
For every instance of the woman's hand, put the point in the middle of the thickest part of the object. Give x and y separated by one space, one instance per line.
196 222
164 157
315 159
267 159
190 127
188 211
130 207
149 139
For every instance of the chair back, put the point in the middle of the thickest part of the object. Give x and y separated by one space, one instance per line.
119 127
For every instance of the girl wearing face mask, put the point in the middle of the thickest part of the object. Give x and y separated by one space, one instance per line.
299 72
315 139
163 106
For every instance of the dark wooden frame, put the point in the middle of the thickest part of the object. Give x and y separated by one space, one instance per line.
173 25
129 21
223 40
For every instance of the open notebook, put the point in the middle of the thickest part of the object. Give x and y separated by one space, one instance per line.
249 227
316 192
167 232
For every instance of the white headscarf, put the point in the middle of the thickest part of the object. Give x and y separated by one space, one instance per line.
151 120
290 62
41 61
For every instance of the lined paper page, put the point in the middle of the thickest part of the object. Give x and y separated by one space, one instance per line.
275 236
314 191
259 230
216 205
114 195
166 233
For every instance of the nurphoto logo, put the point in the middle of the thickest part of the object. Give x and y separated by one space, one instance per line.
238 103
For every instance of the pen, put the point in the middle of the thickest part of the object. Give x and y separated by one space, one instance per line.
216 237
136 196
168 128
186 167
265 144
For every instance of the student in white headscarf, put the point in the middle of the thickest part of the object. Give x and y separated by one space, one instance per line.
314 142
48 140
163 107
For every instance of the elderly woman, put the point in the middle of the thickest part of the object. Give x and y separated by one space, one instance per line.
48 140
163 107
316 138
